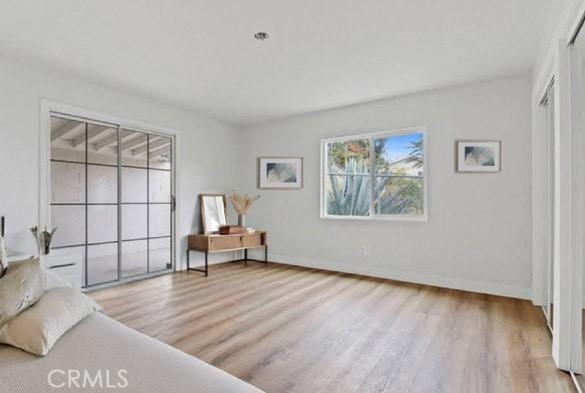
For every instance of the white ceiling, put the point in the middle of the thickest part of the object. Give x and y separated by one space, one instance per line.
321 53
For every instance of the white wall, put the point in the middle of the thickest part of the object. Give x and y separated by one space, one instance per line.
478 235
206 157
458 247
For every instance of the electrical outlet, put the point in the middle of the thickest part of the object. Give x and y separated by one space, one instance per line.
366 250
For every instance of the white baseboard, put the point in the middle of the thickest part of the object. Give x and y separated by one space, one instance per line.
410 276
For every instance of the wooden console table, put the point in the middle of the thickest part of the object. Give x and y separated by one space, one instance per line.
224 243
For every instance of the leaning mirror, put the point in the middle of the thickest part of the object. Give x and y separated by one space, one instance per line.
213 212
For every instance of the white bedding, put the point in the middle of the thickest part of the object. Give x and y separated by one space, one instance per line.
100 345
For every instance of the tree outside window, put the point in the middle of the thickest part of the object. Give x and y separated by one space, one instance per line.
378 175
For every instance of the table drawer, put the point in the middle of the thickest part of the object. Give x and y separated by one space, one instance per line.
70 273
225 243
64 269
66 264
252 240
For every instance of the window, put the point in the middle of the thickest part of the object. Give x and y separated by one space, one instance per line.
375 176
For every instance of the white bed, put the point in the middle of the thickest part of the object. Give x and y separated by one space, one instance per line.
98 344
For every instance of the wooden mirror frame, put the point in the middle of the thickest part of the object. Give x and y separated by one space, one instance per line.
202 208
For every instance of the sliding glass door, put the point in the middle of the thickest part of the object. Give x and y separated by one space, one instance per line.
147 203
112 197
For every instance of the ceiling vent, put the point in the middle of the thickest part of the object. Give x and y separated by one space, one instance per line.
261 36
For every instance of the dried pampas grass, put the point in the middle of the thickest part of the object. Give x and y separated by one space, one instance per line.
242 203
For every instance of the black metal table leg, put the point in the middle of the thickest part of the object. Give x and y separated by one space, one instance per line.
194 269
266 254
246 257
206 264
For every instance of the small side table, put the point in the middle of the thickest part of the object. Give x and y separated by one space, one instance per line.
215 243
66 264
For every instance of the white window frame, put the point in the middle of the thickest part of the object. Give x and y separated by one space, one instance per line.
373 216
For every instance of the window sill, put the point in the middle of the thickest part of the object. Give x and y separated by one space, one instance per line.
421 219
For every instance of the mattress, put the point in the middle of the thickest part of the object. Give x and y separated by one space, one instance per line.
100 354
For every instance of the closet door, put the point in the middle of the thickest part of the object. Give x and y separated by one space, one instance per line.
549 105
578 120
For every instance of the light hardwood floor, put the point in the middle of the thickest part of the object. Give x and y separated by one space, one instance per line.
293 329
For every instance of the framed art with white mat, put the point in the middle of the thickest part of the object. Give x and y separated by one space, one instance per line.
478 156
280 172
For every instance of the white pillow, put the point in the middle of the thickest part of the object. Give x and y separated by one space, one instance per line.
37 329
24 283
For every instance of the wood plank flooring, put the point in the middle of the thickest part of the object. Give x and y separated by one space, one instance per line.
292 329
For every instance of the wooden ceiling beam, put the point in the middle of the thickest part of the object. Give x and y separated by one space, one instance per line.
110 140
159 152
152 145
92 133
65 129
134 142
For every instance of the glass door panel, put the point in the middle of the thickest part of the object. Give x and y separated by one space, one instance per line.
160 203
68 183
159 186
134 257
159 251
67 137
70 223
160 153
135 222
102 145
159 220
134 203
134 147
102 263
134 185
102 223
102 184
102 208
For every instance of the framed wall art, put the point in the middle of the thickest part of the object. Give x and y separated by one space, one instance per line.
280 172
478 156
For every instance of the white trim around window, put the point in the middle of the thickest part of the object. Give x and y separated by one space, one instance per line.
372 215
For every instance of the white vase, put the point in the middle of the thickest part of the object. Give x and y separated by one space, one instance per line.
242 220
